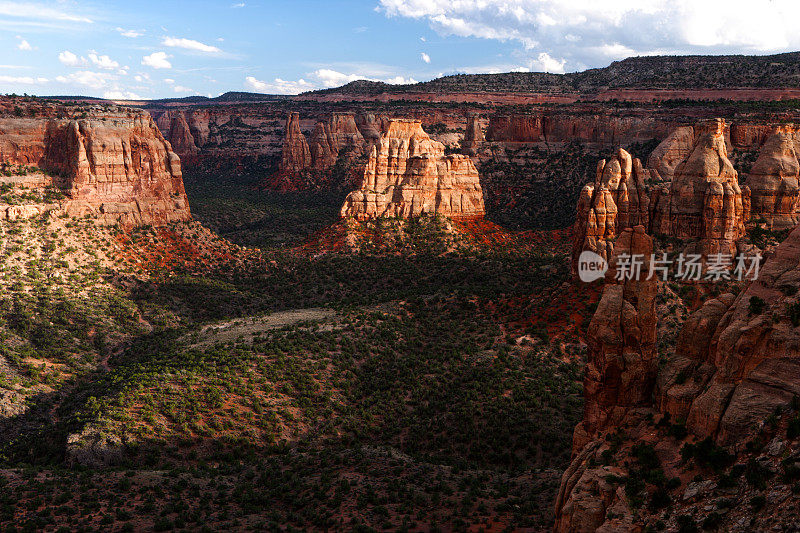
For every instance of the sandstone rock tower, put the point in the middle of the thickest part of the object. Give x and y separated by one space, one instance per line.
615 201
296 155
773 180
408 175
473 137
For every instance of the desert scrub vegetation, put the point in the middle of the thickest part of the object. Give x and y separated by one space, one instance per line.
413 404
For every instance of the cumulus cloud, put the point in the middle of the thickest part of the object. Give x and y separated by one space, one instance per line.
190 44
323 78
103 62
88 78
71 60
131 34
278 86
584 33
23 44
157 60
121 94
425 57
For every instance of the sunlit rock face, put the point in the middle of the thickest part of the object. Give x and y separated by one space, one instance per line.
408 174
115 165
616 200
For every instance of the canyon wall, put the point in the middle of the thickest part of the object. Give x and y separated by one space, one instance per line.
114 165
408 174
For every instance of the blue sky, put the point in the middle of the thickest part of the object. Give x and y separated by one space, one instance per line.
149 49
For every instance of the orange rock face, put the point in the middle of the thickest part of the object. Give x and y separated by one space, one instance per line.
707 203
622 337
619 377
331 137
473 136
116 166
408 174
617 200
773 180
296 155
671 152
742 365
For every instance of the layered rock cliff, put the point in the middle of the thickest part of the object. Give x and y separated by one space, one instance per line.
408 174
718 396
738 363
115 165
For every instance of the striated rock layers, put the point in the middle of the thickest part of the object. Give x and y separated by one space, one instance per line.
408 174
706 202
703 204
115 165
622 341
773 180
616 200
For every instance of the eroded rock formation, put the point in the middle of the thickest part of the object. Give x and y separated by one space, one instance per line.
616 200
408 174
115 165
671 152
706 202
473 136
619 376
773 180
738 366
333 136
296 155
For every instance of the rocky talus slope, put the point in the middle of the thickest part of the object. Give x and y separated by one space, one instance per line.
113 164
408 174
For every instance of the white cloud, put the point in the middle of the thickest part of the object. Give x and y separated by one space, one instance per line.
23 80
103 62
578 33
425 57
24 45
87 78
169 81
182 89
278 86
131 34
240 4
323 78
71 60
120 94
26 10
157 60
190 44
